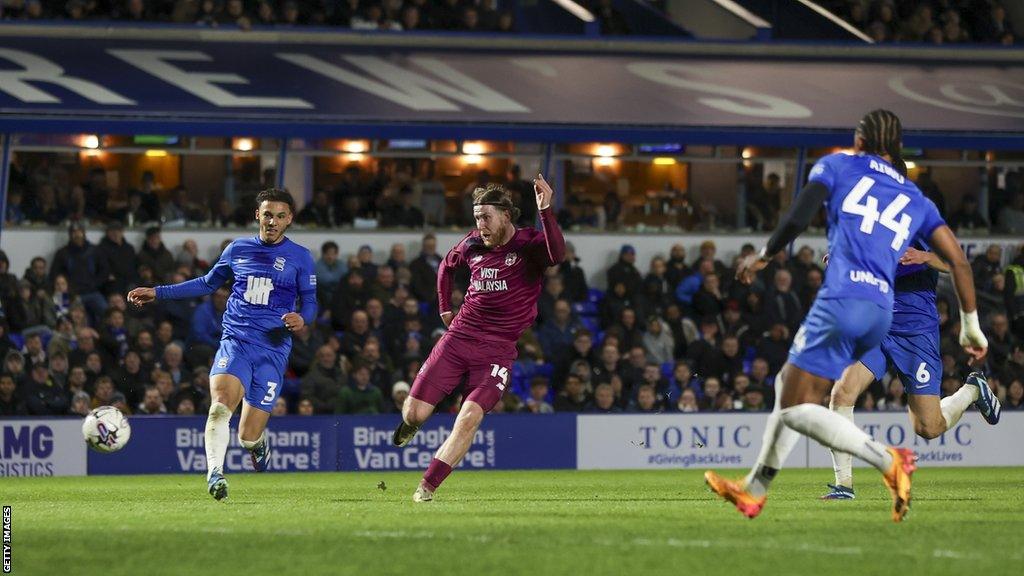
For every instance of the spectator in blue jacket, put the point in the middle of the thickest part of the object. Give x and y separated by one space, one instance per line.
689 286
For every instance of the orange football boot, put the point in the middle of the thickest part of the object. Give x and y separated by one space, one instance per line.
733 491
897 479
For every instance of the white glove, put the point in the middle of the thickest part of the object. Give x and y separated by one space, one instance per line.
970 331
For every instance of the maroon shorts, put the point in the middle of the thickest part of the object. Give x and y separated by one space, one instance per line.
487 367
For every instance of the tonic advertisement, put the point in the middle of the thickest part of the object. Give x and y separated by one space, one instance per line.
667 441
971 442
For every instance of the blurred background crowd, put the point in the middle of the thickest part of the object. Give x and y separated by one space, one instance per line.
675 333
907 21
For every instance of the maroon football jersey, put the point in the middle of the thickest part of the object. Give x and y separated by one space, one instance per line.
505 282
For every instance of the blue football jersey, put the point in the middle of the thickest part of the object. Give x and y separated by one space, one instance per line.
268 279
914 310
874 213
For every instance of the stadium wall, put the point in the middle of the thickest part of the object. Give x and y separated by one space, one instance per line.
597 252
174 444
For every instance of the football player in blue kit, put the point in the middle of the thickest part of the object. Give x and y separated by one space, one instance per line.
874 211
912 348
270 274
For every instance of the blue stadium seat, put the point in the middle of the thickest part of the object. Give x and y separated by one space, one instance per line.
424 308
18 340
595 296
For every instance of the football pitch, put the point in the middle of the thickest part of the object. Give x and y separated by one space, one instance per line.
968 520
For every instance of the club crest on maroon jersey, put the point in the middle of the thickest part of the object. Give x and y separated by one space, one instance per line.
511 259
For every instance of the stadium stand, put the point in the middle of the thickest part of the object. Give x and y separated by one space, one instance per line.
678 323
354 14
80 328
941 22
906 21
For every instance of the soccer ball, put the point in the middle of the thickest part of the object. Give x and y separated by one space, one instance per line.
106 429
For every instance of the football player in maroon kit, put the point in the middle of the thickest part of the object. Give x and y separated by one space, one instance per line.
506 274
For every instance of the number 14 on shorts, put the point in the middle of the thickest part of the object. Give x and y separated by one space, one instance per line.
500 372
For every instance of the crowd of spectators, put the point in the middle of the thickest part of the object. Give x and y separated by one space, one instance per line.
930 21
406 193
397 194
388 15
679 336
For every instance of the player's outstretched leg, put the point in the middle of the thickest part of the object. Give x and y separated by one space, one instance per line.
225 393
254 425
451 452
216 447
414 413
837 433
799 395
749 495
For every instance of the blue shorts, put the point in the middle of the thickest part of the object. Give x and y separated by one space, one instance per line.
260 370
836 333
915 358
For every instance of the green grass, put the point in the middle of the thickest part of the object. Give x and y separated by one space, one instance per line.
582 523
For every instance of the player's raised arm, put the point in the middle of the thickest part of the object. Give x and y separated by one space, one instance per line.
552 233
790 226
445 275
201 286
945 244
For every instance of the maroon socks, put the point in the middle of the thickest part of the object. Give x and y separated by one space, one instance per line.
436 473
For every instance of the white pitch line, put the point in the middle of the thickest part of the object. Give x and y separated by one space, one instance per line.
956 555
400 534
778 546
677 543
484 539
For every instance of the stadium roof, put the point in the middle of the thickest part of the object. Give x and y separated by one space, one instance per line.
387 86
